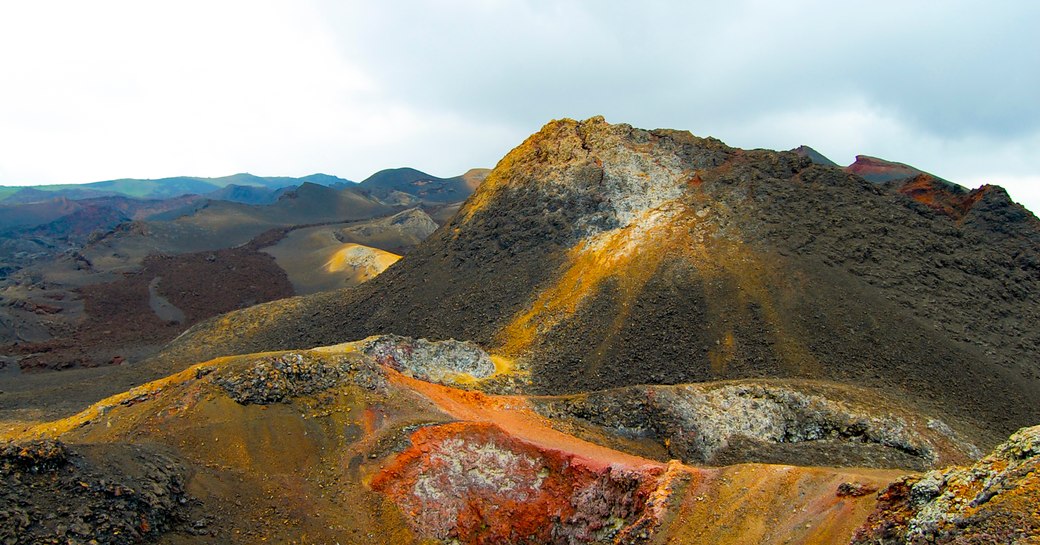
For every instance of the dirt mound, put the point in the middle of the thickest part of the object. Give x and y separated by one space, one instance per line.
321 263
328 257
603 255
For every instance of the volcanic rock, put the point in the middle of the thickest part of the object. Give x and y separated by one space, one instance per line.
111 495
324 456
878 170
993 501
774 422
441 361
279 379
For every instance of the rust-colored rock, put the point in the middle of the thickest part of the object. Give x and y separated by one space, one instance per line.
475 483
941 196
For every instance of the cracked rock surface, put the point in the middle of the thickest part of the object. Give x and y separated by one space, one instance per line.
996 500
735 422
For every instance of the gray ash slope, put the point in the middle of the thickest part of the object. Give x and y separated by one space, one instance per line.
606 255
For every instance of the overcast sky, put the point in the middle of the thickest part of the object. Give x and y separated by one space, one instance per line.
104 89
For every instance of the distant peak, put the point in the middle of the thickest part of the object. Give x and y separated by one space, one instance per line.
877 170
813 155
475 176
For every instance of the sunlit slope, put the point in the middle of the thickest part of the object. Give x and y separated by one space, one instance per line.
602 255
320 262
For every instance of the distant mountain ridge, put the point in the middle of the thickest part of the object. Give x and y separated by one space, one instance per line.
385 183
403 185
162 188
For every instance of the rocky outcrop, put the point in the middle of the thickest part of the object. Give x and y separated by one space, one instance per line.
773 422
993 501
279 379
443 362
109 495
284 377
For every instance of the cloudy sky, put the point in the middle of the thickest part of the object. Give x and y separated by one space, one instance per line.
107 89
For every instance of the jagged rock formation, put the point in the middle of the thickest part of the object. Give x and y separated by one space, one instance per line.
996 500
769 421
599 255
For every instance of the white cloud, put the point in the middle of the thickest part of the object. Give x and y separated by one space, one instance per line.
112 89
105 89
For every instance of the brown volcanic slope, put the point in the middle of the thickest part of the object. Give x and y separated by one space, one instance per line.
89 300
357 444
125 318
602 255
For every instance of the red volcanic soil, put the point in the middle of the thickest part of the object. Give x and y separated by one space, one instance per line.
475 483
879 170
941 196
121 324
450 482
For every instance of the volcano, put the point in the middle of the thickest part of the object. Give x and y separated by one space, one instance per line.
599 255
623 336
